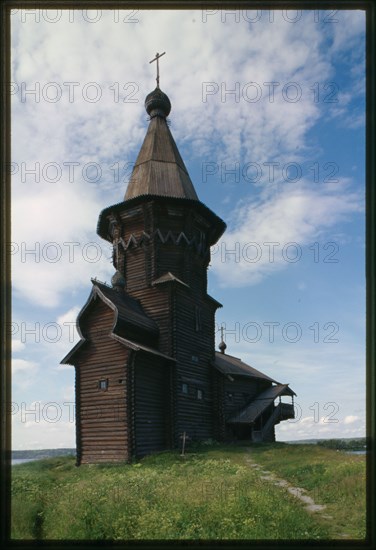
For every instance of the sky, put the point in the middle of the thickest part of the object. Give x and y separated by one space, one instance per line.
268 112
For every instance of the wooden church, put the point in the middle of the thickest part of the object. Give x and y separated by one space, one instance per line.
146 367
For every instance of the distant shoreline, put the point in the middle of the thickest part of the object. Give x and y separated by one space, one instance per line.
37 454
23 460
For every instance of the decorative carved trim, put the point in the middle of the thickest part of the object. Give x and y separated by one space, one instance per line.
198 241
145 237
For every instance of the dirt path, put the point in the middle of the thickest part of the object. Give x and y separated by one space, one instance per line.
298 492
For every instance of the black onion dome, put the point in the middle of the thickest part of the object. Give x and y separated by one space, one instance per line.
118 280
222 346
157 103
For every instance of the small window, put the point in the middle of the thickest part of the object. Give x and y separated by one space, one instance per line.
184 388
121 381
200 394
195 359
103 384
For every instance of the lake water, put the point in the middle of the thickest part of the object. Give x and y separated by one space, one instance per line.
22 460
357 452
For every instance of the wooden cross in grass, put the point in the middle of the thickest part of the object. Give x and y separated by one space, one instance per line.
185 438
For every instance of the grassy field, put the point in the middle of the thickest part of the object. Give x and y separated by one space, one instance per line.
331 477
211 493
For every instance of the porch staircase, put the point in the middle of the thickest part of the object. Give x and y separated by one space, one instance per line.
282 411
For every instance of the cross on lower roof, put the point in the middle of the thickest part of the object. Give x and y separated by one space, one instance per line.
156 58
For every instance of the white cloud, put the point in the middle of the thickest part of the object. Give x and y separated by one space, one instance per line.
295 213
22 366
350 26
67 322
110 131
41 425
68 338
24 373
68 393
308 428
351 419
17 345
69 316
55 249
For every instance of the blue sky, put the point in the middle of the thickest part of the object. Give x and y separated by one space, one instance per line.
250 93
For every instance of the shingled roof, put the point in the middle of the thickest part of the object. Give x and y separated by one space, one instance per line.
136 346
218 226
252 411
168 278
159 168
159 174
227 364
132 326
129 312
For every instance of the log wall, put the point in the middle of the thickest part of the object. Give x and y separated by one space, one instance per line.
151 404
240 392
101 414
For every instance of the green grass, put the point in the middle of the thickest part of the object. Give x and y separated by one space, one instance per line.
358 444
211 494
334 478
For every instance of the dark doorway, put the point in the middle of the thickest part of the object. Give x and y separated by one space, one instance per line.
151 402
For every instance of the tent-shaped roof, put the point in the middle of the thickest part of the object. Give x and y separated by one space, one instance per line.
159 168
227 364
160 173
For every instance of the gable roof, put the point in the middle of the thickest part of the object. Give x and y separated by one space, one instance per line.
128 311
253 410
136 346
168 278
131 326
140 347
227 364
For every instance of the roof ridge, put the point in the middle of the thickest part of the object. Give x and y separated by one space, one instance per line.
95 281
167 277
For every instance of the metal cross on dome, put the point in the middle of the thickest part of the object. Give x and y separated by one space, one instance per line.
156 58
